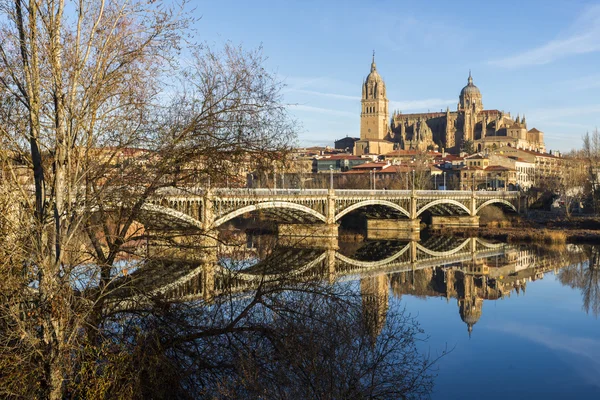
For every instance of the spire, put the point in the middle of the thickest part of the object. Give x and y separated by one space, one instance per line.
373 67
470 78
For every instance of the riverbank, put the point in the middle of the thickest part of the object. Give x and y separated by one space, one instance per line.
538 230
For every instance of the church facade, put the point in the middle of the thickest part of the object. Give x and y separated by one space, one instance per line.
449 130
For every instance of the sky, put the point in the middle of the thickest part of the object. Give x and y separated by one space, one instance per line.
538 58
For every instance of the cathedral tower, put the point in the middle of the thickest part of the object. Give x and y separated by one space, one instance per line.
374 117
470 105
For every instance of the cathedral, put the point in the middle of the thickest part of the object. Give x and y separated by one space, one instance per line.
449 130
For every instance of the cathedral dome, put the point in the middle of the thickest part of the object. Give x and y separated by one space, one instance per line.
470 89
470 311
470 97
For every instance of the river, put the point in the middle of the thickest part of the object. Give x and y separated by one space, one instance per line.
508 321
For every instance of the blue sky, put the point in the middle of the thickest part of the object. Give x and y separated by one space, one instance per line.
538 58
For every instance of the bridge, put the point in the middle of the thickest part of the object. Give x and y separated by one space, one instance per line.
207 209
289 266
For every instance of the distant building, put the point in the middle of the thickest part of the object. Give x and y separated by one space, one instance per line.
480 174
346 144
339 163
545 165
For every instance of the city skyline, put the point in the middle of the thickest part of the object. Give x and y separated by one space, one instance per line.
535 59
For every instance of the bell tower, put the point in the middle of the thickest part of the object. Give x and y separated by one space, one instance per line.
374 116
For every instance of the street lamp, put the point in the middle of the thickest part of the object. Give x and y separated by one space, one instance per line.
374 177
413 182
435 182
444 180
331 177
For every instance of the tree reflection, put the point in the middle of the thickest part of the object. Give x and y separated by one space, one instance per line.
296 340
272 329
586 277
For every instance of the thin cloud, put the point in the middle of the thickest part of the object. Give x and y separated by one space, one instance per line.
320 110
586 350
583 83
426 104
332 95
549 114
584 37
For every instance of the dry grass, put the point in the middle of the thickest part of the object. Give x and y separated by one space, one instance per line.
546 236
499 224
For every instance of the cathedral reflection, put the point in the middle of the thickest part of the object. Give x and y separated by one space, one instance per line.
470 283
469 271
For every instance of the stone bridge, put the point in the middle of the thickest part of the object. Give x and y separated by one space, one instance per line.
208 209
288 266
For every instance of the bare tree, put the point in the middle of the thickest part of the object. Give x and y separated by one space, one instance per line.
84 110
591 156
571 183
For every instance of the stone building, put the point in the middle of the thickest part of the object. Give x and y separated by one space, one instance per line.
346 144
375 134
486 129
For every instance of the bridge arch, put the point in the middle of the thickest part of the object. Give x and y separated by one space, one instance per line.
446 253
268 205
371 203
497 201
490 245
372 264
444 201
155 208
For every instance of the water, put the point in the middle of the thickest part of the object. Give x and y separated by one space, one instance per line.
540 343
516 321
540 337
523 324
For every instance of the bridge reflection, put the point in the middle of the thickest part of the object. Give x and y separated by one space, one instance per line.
469 270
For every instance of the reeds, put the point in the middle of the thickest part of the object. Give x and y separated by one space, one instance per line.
546 236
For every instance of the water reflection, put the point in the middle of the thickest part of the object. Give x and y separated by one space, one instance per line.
469 270
309 303
585 276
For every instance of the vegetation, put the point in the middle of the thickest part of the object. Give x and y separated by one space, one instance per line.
97 116
467 146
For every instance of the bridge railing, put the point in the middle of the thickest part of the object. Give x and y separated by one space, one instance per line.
270 192
338 192
368 192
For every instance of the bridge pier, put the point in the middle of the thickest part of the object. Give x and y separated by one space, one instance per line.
330 265
312 235
391 229
454 221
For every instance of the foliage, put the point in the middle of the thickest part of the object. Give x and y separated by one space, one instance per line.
97 118
467 146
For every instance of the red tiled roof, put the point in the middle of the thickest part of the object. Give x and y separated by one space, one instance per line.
476 157
451 157
343 157
498 168
401 152
371 165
